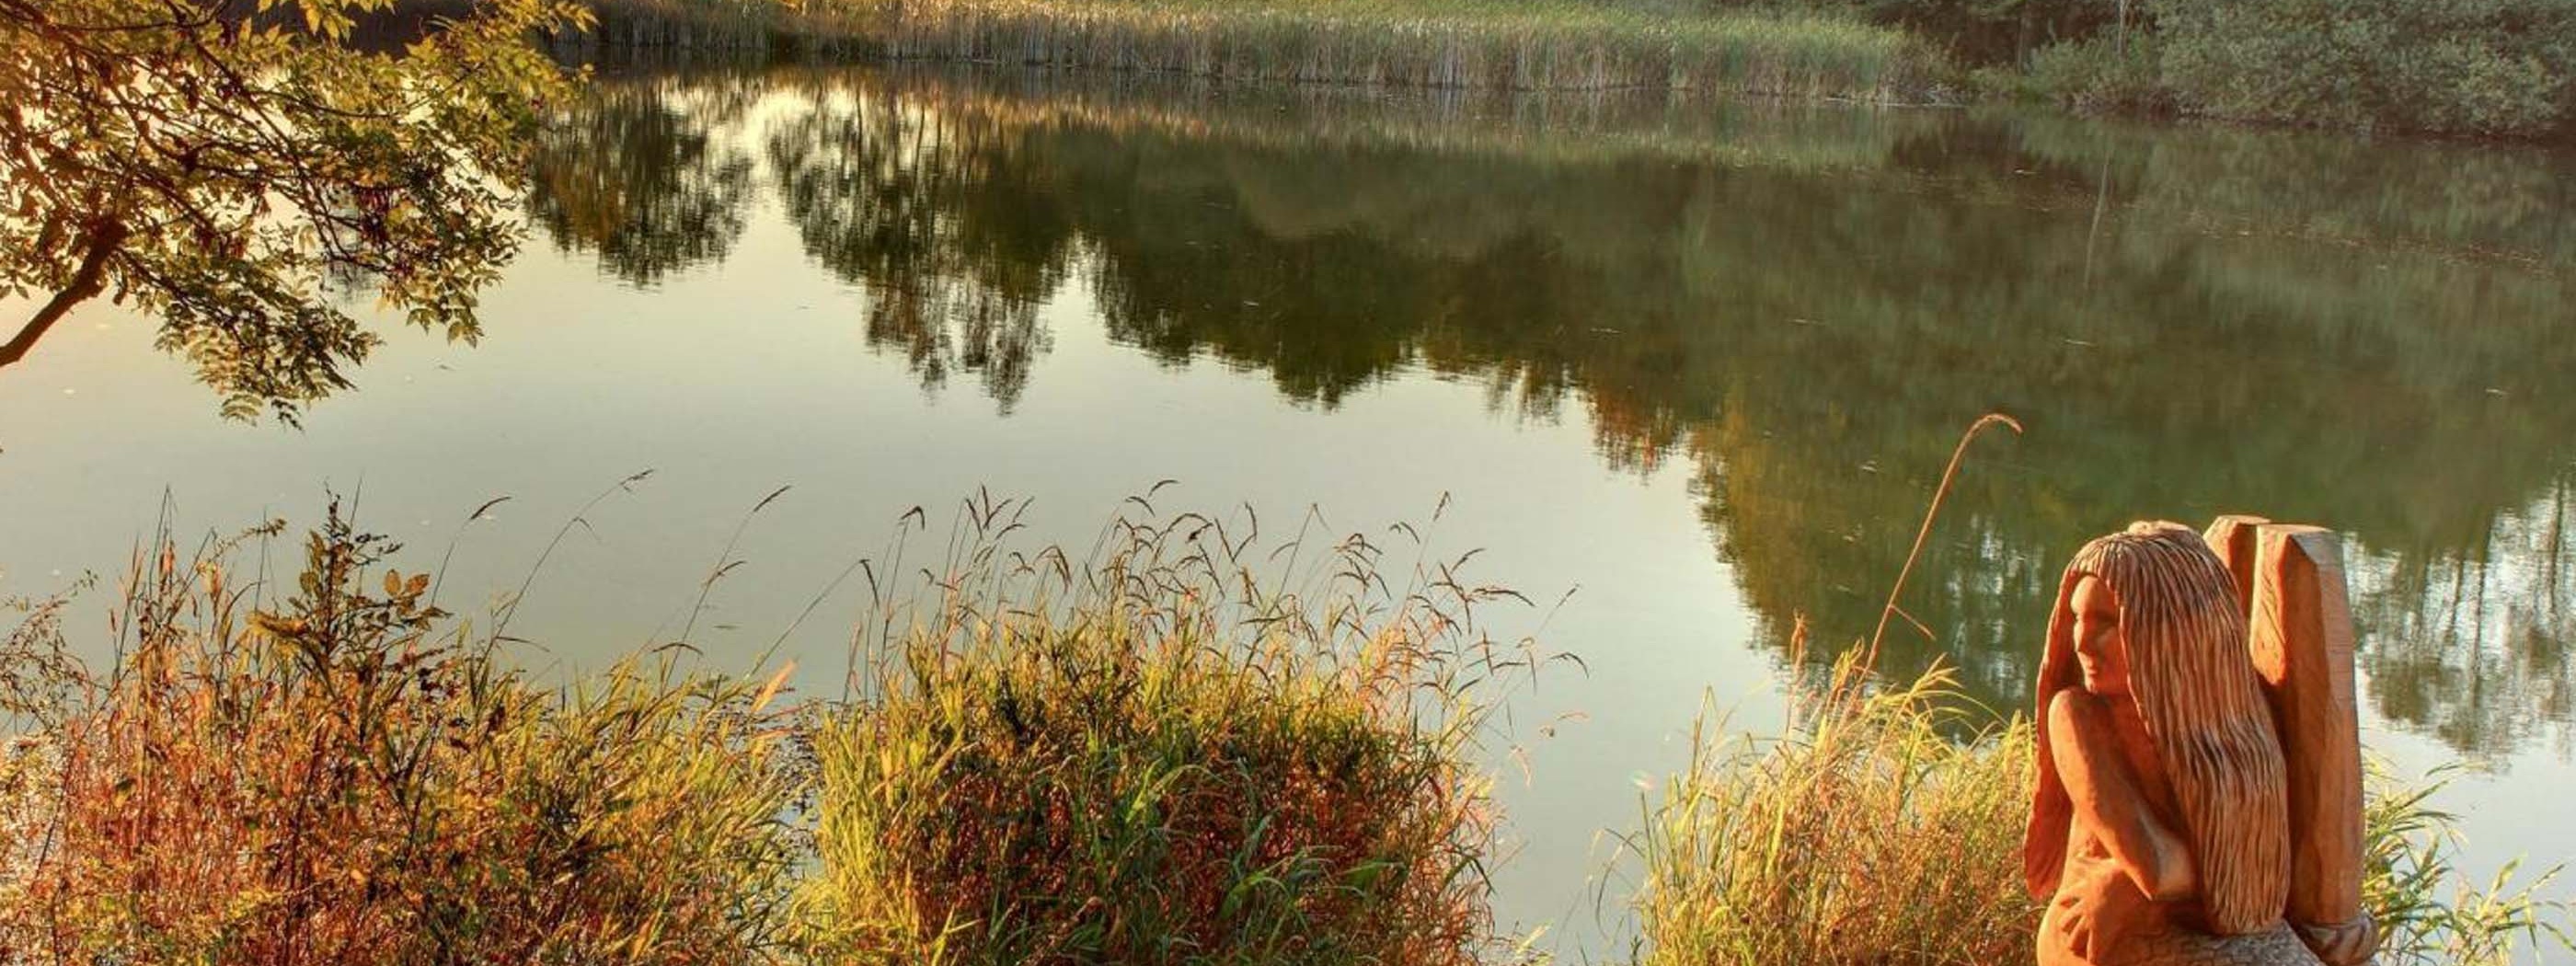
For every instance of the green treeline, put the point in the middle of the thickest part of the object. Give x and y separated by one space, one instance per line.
2468 67
1801 311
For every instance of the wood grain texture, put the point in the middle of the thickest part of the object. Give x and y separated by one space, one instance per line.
2232 538
2301 639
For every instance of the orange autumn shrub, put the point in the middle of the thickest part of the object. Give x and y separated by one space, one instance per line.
349 779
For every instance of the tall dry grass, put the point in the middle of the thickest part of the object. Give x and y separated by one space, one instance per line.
1190 746
1869 833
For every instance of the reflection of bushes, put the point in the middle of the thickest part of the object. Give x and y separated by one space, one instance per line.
942 223
2189 321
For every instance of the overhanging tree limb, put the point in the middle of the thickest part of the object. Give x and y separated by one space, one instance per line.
86 282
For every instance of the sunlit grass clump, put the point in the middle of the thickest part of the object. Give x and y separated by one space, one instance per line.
1870 833
1160 759
346 778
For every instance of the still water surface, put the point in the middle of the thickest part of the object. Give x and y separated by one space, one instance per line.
1699 363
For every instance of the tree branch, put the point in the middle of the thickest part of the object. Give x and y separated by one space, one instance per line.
89 280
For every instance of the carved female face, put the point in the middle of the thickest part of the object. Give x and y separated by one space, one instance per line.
2100 649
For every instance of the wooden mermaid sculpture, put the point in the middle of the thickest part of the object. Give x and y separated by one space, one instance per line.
2160 833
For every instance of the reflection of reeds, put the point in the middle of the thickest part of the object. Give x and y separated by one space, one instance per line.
1560 47
1562 127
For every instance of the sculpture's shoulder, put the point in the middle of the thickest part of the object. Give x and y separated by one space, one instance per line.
2078 717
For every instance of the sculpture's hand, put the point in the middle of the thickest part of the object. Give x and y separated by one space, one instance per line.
2095 924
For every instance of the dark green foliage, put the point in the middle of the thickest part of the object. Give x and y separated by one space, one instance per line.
2489 67
2097 75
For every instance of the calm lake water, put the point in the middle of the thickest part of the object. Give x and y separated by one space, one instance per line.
1698 363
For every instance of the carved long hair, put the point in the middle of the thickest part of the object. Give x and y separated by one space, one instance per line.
2195 686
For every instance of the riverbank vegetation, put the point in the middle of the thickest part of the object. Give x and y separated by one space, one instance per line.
1872 833
1153 758
342 774
1148 756
1145 756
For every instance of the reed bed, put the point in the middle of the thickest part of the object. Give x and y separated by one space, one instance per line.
1554 127
715 25
1563 46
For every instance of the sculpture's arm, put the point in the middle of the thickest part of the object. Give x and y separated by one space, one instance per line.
2106 797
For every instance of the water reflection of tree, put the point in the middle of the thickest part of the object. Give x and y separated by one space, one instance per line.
942 219
2476 648
646 176
1810 335
1812 343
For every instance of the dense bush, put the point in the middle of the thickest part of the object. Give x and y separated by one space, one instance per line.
2495 67
2097 75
